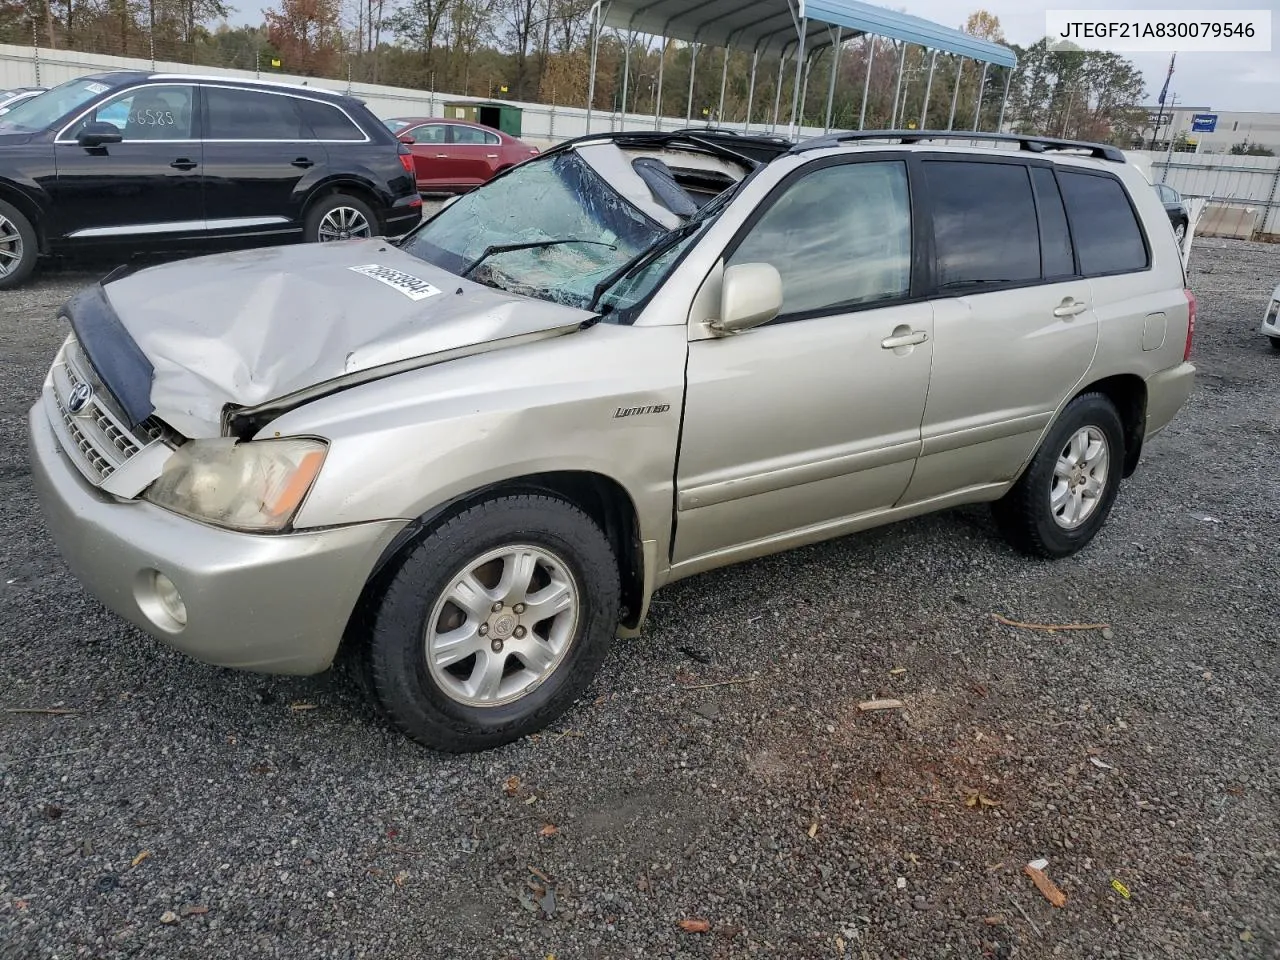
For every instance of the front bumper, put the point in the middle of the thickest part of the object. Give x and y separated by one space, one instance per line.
268 603
1271 322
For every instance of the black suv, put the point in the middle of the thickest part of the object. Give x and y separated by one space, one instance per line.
149 162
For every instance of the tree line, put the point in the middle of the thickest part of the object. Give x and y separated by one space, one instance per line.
539 50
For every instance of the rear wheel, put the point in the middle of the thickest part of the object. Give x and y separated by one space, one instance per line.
339 217
1064 496
1275 343
18 247
495 623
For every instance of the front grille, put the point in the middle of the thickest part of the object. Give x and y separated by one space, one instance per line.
97 437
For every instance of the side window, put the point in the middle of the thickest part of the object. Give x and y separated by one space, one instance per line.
984 223
252 115
327 122
148 113
840 237
431 133
1108 237
473 135
1056 258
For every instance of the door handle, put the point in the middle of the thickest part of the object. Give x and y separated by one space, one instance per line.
491 156
184 164
910 339
302 162
442 156
1070 308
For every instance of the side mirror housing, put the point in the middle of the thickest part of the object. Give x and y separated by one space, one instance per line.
99 134
406 138
750 295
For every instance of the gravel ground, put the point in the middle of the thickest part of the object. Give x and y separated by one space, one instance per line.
185 811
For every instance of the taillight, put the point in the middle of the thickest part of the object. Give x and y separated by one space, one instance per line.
1191 324
406 159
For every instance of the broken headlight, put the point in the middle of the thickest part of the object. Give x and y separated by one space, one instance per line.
255 485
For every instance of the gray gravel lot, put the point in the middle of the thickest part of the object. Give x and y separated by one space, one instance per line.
185 811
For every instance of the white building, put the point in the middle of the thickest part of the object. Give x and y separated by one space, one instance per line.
1230 127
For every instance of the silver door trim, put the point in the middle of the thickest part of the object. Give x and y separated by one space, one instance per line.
175 226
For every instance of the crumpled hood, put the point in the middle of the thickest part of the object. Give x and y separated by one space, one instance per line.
252 326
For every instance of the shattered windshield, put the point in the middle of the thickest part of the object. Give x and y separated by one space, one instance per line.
559 198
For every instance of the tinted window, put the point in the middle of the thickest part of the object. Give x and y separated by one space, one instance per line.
146 113
840 236
251 115
473 135
1055 238
327 122
1108 238
984 222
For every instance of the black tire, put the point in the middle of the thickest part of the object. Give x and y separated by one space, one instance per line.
1180 232
408 694
29 253
1024 515
326 205
1275 343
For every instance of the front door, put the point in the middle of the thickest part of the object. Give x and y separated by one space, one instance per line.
147 187
260 157
797 427
474 155
430 155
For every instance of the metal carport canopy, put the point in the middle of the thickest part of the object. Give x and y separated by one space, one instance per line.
772 26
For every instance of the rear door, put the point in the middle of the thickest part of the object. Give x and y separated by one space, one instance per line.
146 187
474 154
260 158
1015 326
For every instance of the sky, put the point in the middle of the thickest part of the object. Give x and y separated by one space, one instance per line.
1218 81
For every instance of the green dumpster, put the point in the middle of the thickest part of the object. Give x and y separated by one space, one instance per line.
488 113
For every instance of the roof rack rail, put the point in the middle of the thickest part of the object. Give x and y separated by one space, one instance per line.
1101 151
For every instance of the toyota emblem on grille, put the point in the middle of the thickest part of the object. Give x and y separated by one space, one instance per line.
80 397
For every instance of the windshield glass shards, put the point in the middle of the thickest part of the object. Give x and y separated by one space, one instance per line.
550 228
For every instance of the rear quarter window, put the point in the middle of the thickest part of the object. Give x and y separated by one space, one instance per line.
328 122
1105 228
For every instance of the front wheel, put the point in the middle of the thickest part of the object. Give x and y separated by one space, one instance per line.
1275 343
1064 496
1180 232
339 217
495 623
18 247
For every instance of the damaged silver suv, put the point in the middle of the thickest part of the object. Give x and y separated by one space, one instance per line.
475 453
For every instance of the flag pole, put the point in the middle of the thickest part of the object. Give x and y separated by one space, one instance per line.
1164 92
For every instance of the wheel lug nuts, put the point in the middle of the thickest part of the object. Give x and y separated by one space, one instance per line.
520 631
518 608
497 646
484 629
497 606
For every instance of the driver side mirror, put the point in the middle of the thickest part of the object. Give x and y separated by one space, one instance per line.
99 134
406 138
750 295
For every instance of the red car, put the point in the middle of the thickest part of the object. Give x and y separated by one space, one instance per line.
453 156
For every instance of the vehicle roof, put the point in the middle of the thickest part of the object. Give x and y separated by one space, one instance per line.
319 93
448 120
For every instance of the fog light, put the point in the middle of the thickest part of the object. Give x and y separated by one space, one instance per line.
169 599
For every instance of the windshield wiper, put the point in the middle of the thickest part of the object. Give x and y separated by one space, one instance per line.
493 248
643 259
